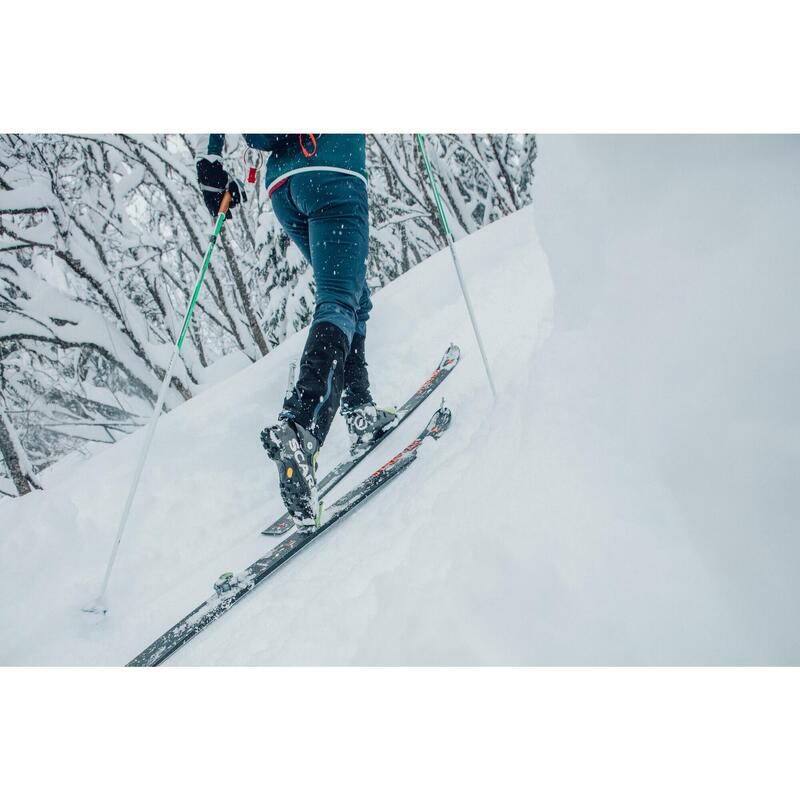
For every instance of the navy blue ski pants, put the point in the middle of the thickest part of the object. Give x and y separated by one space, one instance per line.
326 214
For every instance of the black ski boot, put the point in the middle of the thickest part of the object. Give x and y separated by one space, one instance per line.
293 444
294 451
365 421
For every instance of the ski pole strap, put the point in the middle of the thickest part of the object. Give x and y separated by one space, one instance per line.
253 161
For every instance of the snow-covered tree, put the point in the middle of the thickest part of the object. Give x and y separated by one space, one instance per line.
17 463
101 239
482 177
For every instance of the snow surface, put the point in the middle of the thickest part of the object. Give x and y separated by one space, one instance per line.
630 498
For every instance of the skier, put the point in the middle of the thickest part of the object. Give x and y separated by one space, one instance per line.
318 187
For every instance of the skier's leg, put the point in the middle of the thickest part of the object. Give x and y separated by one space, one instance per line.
338 227
365 421
315 397
322 365
290 443
332 208
356 380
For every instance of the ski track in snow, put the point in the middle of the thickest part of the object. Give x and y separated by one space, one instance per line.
584 518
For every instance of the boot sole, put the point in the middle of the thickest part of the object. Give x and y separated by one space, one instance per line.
284 461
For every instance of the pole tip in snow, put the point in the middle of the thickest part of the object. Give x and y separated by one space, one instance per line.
97 607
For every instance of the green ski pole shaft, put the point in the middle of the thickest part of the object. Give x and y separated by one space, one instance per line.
451 243
99 605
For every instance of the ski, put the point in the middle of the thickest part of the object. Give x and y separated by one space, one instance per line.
325 484
230 588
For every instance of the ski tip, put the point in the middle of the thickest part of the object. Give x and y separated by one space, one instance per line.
440 421
453 352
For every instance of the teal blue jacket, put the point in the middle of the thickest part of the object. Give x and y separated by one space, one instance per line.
290 153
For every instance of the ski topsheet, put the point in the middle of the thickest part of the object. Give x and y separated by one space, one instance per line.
325 484
232 588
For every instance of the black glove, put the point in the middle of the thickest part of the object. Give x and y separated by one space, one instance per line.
214 181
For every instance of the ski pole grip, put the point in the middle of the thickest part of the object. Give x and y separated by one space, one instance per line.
226 203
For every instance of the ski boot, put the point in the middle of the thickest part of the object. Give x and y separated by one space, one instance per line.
294 451
366 423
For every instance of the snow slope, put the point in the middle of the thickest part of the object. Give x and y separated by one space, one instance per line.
208 489
628 499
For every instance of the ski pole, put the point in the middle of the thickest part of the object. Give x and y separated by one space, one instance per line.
99 605
451 243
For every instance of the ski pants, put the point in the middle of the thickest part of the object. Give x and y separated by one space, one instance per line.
325 214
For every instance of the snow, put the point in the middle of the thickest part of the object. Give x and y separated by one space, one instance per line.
36 195
221 369
628 499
